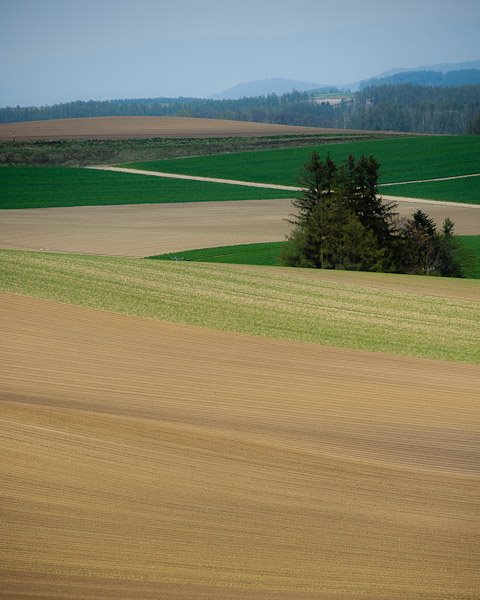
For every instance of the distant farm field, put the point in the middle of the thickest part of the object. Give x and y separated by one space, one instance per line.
416 316
41 187
144 127
401 159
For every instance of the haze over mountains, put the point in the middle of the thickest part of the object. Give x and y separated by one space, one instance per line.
55 51
280 85
262 87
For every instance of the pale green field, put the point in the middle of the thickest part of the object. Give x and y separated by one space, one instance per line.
417 316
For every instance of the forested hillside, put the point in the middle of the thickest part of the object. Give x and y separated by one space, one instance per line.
418 108
427 77
406 107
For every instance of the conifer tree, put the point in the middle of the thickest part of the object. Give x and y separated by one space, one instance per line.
342 223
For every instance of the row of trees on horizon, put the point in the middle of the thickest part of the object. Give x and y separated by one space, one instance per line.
405 107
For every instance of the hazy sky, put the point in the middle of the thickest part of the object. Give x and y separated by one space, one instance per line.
59 50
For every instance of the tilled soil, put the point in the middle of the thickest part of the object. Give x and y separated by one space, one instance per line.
143 459
148 229
145 127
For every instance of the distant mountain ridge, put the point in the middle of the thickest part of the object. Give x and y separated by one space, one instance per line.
442 67
282 85
457 77
264 87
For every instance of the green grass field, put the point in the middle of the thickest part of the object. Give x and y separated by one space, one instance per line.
268 254
469 255
401 159
418 316
41 187
454 190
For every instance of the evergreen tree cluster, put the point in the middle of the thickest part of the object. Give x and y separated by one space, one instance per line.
342 223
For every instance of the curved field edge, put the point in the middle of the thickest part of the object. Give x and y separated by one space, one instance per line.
403 315
263 253
269 253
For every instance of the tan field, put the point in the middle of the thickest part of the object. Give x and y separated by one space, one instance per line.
145 127
142 459
147 229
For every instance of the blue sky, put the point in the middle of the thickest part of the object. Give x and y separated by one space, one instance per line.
61 50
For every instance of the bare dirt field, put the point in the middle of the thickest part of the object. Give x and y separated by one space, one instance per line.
145 127
147 229
143 459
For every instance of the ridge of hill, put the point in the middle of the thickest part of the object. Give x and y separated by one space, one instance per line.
443 67
452 78
263 87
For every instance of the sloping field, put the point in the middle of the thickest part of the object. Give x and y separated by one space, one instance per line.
401 159
144 229
144 127
147 229
429 317
148 460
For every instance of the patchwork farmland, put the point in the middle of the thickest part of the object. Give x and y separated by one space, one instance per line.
177 429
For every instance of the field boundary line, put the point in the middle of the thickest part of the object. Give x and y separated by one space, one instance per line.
429 180
272 186
427 201
275 186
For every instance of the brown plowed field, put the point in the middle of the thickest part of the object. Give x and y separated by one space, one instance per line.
147 229
145 127
142 459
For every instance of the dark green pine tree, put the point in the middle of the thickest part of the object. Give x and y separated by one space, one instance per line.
357 181
317 180
343 224
329 234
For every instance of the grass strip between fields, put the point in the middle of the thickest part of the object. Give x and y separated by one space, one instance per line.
417 316
43 187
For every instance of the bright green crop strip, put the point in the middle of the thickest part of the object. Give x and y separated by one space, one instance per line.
268 254
41 187
401 159
243 254
453 190
468 254
416 316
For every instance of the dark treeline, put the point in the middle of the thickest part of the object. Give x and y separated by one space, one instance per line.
417 108
294 109
404 107
435 78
